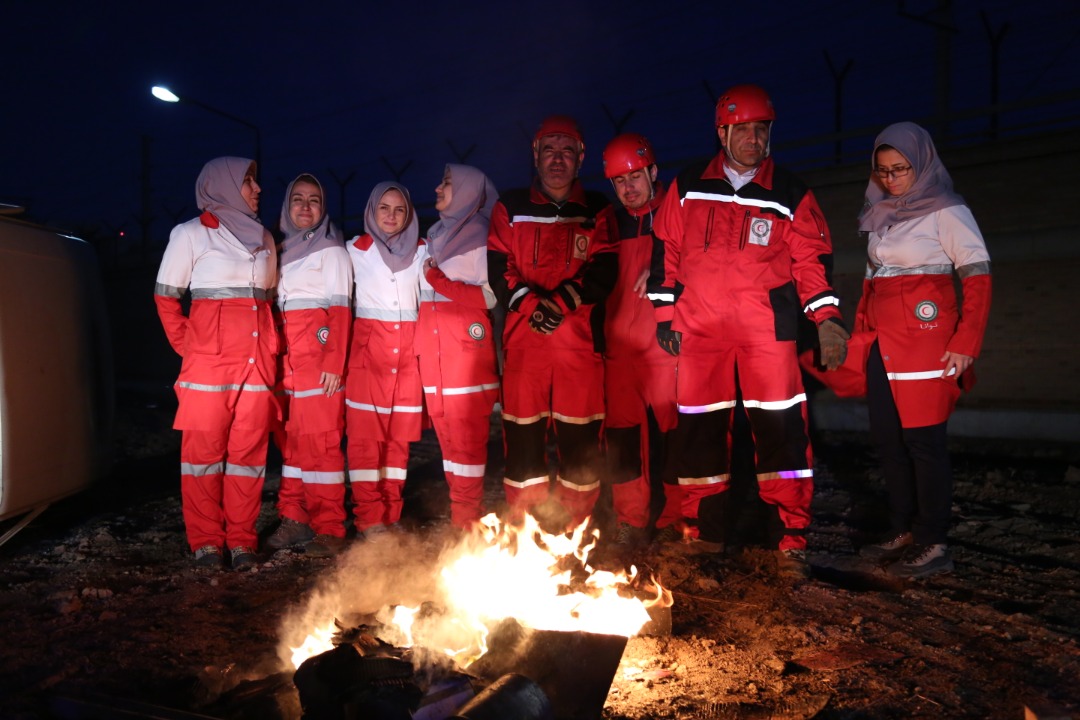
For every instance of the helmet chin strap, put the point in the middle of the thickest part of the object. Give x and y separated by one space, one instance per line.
727 139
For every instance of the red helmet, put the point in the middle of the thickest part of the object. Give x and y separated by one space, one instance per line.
559 125
744 103
626 153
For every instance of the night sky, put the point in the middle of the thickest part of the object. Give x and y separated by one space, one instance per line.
354 88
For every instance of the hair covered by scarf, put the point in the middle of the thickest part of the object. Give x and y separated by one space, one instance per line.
217 191
931 191
298 242
397 250
463 225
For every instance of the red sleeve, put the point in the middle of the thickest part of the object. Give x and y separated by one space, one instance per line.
173 320
811 248
668 226
967 340
337 340
465 293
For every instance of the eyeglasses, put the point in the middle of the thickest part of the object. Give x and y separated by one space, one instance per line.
896 172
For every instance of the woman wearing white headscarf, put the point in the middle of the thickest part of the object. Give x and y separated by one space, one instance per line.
226 259
921 345
383 396
454 339
314 297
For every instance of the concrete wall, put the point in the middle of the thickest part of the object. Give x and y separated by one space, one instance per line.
1024 194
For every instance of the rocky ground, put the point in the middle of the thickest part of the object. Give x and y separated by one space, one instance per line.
103 614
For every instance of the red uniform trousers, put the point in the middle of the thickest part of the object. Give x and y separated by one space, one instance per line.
632 386
775 402
458 369
383 407
313 470
226 409
563 389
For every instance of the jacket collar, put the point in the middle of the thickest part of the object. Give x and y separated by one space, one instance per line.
764 176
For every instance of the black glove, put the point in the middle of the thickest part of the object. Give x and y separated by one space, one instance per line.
567 296
546 317
670 340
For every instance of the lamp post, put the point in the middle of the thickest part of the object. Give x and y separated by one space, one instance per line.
163 93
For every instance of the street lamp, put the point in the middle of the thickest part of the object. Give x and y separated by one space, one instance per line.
166 95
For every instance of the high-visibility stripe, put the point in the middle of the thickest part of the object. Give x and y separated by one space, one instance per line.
579 488
546 220
463 470
827 300
775 404
662 297
230 293
311 477
393 473
468 389
310 393
541 480
709 480
711 407
891 271
368 407
786 475
169 291
976 268
201 387
364 475
738 200
921 375
578 420
387 314
253 471
526 420
291 471
201 470
518 294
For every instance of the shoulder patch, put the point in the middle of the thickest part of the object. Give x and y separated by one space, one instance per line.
363 242
208 219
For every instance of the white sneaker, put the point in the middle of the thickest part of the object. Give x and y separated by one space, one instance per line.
923 560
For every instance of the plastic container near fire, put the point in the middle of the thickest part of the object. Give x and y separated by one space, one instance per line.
56 377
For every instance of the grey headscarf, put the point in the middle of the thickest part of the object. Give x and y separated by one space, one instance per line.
397 250
298 243
463 226
217 191
931 191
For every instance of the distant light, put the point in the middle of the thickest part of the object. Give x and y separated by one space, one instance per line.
164 94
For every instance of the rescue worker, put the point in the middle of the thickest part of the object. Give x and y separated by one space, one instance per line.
383 396
454 339
746 249
639 376
921 344
227 261
552 263
313 296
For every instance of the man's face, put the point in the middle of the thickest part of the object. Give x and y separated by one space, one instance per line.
635 189
557 158
747 144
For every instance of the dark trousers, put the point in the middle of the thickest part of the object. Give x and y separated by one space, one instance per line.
914 461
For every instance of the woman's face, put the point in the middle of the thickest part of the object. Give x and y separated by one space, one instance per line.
305 205
444 193
893 172
391 212
250 190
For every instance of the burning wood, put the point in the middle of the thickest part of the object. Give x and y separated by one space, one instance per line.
510 600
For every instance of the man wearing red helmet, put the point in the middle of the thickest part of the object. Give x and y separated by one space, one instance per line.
638 375
552 263
746 250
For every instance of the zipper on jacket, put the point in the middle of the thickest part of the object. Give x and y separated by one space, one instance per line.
536 246
708 229
569 245
745 230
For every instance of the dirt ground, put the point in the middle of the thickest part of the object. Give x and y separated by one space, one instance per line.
101 608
